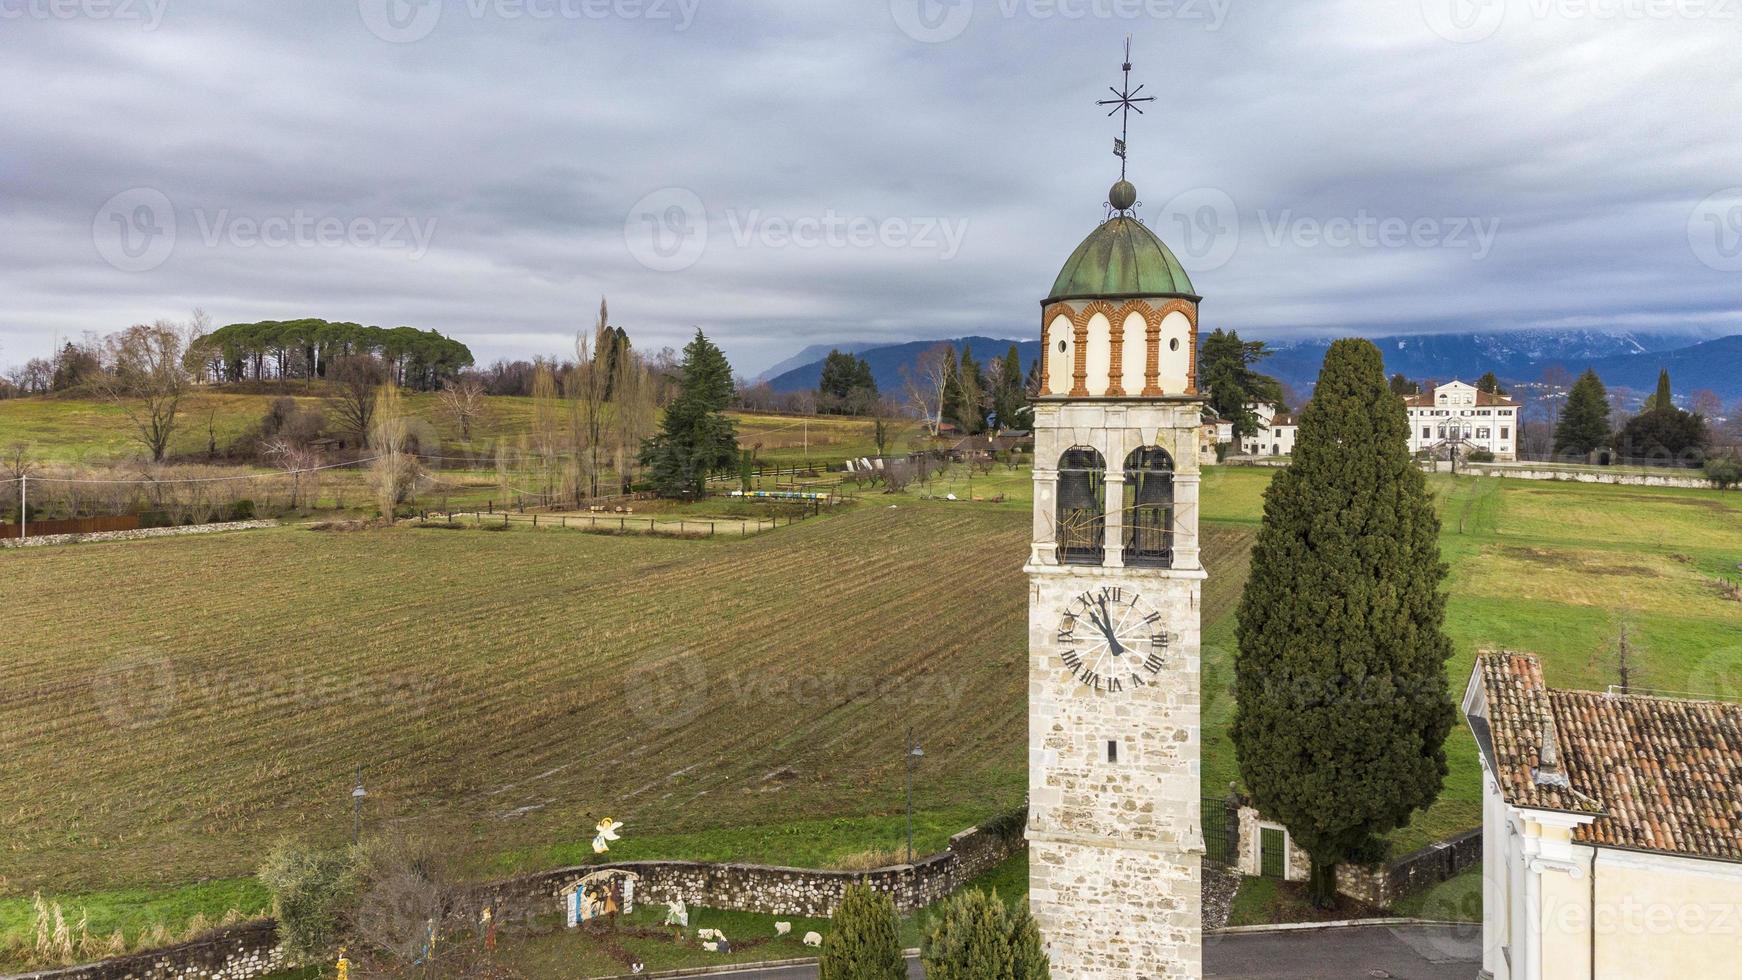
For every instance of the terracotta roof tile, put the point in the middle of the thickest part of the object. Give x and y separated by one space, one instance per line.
1661 774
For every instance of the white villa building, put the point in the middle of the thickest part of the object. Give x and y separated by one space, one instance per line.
1462 414
1611 830
1275 435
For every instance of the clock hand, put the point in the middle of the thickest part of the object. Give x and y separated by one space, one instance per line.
1105 621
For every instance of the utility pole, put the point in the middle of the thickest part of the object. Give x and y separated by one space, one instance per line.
23 506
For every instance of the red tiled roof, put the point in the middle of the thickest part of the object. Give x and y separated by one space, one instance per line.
1660 774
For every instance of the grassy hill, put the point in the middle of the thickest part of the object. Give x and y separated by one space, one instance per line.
80 430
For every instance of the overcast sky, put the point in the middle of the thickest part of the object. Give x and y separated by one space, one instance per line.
782 173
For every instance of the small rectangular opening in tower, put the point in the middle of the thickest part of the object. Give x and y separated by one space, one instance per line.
1112 751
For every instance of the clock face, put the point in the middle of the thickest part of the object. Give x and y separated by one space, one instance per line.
1112 640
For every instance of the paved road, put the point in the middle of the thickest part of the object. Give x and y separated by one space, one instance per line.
1403 952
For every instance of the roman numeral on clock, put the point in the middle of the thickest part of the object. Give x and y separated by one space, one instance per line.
1153 663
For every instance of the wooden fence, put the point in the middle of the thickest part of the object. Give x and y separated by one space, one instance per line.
77 525
684 527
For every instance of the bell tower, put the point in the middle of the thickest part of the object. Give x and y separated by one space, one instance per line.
1115 584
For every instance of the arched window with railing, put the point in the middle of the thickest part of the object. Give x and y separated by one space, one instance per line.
1082 506
1148 510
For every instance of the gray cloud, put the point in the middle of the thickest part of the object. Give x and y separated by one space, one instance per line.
523 134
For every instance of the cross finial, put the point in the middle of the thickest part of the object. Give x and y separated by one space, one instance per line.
1125 102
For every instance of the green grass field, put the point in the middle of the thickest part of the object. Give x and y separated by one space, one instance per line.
175 706
73 430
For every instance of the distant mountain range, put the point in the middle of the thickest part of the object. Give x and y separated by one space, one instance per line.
1623 359
887 362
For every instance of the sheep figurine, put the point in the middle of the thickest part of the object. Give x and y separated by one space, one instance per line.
782 928
710 934
813 939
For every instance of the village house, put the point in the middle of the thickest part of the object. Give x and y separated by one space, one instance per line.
1612 829
1463 416
1276 432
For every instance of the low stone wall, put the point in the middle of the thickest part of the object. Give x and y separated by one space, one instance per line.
1413 872
756 888
251 950
1685 479
243 952
1378 887
147 532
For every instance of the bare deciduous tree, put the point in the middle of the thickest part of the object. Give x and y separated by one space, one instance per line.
394 472
464 404
147 380
589 384
926 382
355 378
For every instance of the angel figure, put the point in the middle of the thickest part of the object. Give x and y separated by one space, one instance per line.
607 829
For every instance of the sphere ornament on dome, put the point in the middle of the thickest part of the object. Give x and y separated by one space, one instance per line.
1123 196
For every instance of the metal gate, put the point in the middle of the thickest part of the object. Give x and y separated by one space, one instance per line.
1271 842
1221 831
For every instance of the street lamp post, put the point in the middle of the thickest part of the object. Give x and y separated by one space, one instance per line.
357 795
914 754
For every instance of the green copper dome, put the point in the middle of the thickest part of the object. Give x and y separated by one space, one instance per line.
1119 259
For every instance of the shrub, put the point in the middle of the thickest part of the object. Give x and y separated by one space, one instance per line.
1027 953
969 939
862 944
1725 471
310 892
1480 456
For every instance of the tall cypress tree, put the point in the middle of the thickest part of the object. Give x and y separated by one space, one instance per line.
695 438
863 943
1342 708
1584 424
1664 397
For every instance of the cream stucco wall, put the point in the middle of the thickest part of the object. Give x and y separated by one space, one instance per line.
1060 355
1176 353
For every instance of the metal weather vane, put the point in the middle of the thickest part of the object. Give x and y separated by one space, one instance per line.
1125 102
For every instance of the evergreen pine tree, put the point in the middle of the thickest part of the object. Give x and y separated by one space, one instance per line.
968 409
696 438
1404 387
1489 383
1028 959
1584 424
1225 365
968 939
1009 396
1342 711
862 943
